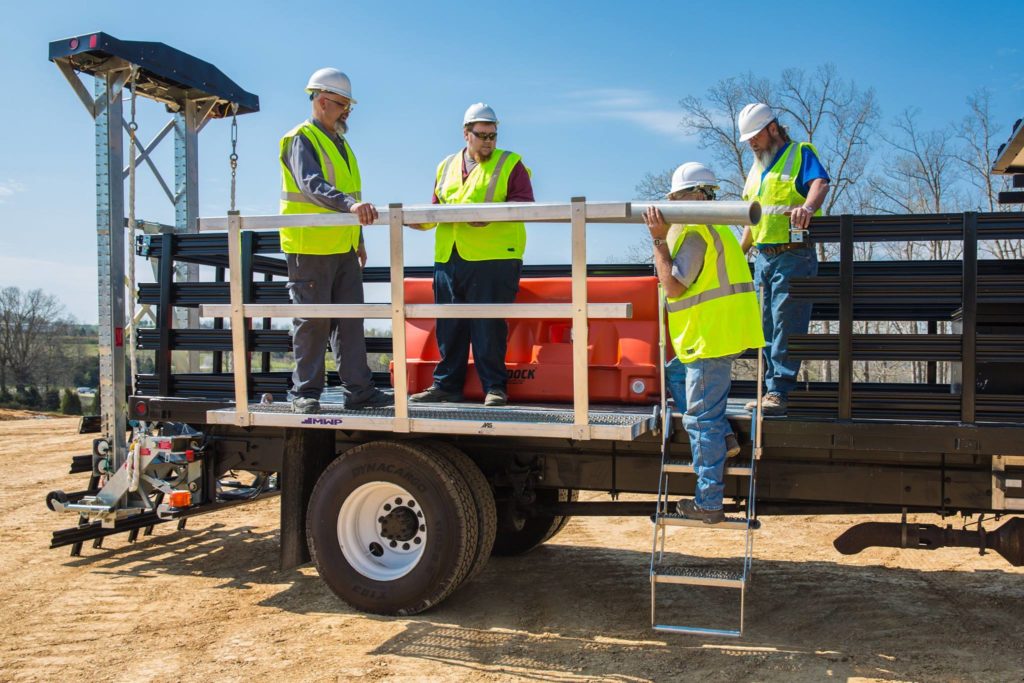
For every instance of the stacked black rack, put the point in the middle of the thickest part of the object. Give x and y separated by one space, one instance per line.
846 291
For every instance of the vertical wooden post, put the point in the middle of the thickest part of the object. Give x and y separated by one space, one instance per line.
580 322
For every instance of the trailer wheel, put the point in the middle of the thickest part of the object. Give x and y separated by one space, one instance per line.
392 528
516 537
483 496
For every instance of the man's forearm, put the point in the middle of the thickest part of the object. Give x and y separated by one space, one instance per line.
663 264
747 240
816 195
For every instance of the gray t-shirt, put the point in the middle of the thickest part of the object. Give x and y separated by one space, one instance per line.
689 260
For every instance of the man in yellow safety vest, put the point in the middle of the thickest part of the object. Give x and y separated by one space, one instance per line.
476 263
791 184
319 174
713 317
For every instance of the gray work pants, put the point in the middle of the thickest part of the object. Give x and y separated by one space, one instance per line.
329 279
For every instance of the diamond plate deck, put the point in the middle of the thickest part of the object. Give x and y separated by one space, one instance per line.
697 576
621 423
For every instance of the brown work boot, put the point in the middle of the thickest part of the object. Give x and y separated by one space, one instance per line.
435 394
772 403
732 446
690 510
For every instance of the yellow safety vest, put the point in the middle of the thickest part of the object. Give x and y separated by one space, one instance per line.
320 239
718 315
777 194
487 182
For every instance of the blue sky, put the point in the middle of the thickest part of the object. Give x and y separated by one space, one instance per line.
587 92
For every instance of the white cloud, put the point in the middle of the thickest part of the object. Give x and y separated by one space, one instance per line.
637 107
9 188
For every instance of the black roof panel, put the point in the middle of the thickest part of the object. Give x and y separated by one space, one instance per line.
168 75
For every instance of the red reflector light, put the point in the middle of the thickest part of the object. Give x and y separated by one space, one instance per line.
118 336
74 43
180 499
190 455
141 408
92 41
164 444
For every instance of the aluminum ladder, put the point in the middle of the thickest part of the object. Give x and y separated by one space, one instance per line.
663 571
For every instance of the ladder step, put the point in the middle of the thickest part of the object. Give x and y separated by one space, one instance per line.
740 469
697 576
693 630
737 523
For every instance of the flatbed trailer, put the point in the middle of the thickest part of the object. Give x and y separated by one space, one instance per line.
398 506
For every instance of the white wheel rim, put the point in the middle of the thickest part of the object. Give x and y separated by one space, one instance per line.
382 531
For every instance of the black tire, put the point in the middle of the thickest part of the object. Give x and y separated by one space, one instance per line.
535 530
442 497
483 496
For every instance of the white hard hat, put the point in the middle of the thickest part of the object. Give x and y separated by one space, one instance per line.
753 119
692 174
330 80
479 112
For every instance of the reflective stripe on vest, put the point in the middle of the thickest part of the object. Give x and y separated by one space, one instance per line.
724 288
777 193
486 183
717 315
342 175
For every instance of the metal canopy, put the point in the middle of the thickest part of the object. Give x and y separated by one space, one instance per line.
166 74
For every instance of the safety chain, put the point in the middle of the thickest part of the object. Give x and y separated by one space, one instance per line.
234 151
132 227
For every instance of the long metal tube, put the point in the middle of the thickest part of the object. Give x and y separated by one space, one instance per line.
730 213
723 213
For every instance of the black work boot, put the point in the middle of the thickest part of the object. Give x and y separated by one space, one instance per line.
372 399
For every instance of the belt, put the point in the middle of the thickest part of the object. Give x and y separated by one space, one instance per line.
776 249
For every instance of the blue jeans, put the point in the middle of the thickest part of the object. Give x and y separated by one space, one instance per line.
473 282
675 382
707 393
781 314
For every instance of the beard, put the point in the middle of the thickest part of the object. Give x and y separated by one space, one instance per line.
340 127
765 157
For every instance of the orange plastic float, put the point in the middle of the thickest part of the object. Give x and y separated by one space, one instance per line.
623 354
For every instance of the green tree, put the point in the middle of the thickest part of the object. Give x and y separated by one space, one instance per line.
51 399
70 403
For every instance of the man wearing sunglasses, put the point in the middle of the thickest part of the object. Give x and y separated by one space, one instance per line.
319 174
476 263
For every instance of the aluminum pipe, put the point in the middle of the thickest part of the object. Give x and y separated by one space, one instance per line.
729 213
722 213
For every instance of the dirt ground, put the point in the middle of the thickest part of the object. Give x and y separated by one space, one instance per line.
208 603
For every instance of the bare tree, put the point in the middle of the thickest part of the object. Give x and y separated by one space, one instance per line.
980 136
921 169
713 121
31 325
654 186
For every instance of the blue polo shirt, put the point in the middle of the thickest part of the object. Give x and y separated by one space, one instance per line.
810 169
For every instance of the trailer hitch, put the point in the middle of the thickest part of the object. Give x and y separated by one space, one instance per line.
1007 540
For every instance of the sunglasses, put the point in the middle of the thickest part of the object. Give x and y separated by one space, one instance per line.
345 106
484 136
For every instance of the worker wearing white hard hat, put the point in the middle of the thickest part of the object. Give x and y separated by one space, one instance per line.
713 317
476 262
789 181
320 174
